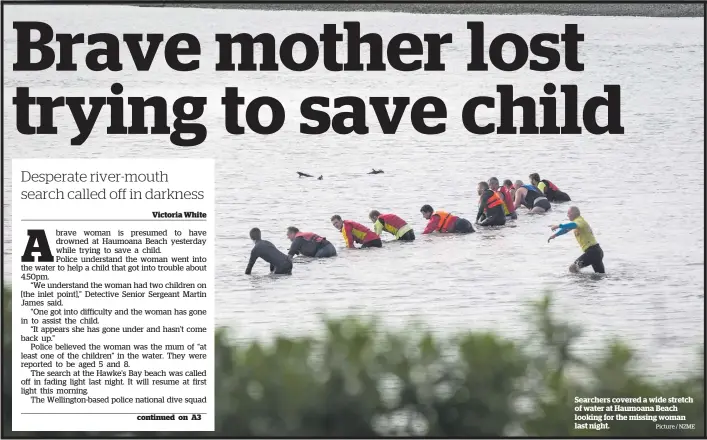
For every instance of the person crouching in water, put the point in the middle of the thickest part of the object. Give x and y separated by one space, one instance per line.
511 189
279 263
530 197
393 224
593 254
551 191
309 244
508 208
490 207
356 233
444 222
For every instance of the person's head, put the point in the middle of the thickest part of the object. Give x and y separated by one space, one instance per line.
572 213
427 211
337 222
534 179
481 187
518 184
255 234
493 183
373 215
292 232
508 184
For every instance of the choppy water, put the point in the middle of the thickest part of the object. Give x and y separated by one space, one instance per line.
642 192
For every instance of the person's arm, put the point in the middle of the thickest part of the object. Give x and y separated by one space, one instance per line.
563 229
251 262
519 199
482 202
348 236
431 225
378 227
295 246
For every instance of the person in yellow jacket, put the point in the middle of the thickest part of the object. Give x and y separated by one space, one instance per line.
393 224
593 254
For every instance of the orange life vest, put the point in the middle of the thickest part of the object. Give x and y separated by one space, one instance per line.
445 219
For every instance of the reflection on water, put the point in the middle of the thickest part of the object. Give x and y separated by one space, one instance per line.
642 192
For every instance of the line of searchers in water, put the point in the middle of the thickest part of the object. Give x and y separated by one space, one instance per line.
497 204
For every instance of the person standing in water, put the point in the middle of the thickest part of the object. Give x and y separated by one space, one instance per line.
309 244
393 224
530 197
508 207
548 188
444 222
490 207
356 233
279 263
593 254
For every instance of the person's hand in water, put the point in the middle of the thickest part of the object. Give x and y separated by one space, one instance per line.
554 227
551 237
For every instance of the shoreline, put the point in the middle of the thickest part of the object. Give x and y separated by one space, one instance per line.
581 8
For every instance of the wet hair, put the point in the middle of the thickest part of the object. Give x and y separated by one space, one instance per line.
335 217
493 180
426 208
292 230
484 185
507 182
534 177
574 209
519 182
374 213
255 234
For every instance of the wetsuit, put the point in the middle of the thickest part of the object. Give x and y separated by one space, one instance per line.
534 198
552 192
357 233
490 210
593 254
395 225
311 245
279 262
509 208
445 222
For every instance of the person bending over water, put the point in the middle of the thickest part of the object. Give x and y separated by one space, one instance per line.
444 222
509 209
309 244
548 188
593 254
393 224
279 262
356 233
530 197
490 207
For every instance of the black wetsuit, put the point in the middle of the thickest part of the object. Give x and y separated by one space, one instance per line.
535 198
555 195
315 246
279 262
491 210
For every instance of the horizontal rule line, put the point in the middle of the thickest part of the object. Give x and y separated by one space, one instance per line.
114 220
114 413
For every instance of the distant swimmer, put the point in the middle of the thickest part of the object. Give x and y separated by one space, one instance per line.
508 207
548 188
593 254
375 171
393 224
490 207
309 244
530 197
279 262
444 222
356 233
